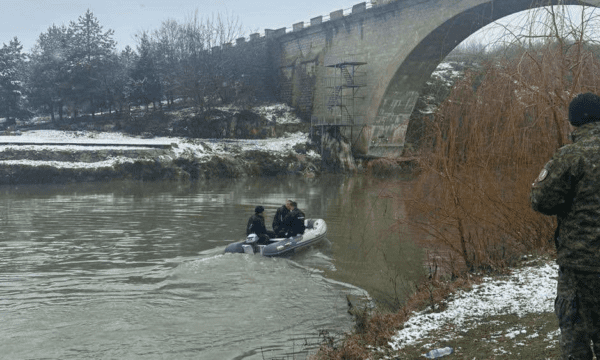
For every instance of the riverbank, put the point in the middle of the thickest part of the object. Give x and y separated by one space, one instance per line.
505 316
51 156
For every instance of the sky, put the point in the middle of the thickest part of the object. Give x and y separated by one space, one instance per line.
26 19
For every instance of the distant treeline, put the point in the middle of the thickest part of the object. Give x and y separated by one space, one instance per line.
76 69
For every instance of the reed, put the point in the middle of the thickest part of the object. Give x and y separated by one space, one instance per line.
485 146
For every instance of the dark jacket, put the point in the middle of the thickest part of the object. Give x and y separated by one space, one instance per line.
278 218
569 187
294 221
256 225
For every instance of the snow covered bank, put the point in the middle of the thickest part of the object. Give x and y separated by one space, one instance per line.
130 156
529 290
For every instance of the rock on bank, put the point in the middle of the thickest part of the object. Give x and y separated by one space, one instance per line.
51 160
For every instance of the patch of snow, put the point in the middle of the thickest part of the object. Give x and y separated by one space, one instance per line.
71 165
280 113
430 109
511 334
84 137
444 66
501 351
527 290
78 148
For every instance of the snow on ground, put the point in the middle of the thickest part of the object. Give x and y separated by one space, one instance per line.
527 290
199 148
449 72
83 137
207 147
281 113
71 165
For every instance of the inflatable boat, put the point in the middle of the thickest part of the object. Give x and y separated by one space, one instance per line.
316 229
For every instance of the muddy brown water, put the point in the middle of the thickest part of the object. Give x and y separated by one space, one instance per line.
131 270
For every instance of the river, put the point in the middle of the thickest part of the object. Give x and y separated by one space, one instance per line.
132 270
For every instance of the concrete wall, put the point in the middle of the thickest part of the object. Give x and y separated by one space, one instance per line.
401 41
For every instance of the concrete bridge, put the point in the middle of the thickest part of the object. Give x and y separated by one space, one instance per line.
394 47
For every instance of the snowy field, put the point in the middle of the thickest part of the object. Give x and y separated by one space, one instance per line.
527 290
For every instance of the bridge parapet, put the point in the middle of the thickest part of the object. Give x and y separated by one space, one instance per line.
302 25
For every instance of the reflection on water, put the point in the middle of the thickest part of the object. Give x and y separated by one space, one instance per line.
370 250
136 270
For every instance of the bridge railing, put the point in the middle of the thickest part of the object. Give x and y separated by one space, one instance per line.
334 15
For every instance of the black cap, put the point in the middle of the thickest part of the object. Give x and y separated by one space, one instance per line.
259 209
584 109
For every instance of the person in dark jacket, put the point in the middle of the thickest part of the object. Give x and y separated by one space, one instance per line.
569 187
256 225
294 221
278 227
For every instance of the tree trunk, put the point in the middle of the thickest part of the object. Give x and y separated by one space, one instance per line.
52 111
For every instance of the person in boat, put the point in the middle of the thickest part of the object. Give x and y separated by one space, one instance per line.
294 221
256 225
279 228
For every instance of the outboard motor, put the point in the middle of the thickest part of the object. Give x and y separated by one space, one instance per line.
250 243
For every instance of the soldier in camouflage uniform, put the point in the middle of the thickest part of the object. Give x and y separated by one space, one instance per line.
569 187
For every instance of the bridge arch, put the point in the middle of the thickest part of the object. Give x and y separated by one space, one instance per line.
429 40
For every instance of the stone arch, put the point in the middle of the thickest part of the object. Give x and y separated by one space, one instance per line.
394 96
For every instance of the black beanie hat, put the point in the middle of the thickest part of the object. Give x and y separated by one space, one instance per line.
259 209
584 108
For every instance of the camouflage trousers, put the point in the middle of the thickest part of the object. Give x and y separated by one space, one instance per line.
577 307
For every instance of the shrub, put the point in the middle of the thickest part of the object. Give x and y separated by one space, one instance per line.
485 146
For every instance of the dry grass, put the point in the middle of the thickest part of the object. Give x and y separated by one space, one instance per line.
485 147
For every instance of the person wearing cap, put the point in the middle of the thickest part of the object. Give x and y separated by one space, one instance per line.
256 225
568 187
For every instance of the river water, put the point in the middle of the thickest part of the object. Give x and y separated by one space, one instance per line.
131 270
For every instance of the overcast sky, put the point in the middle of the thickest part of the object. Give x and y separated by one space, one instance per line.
26 19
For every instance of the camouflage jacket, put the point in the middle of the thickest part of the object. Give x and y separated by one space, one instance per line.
569 187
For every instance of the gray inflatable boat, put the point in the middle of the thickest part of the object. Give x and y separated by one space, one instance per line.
316 229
